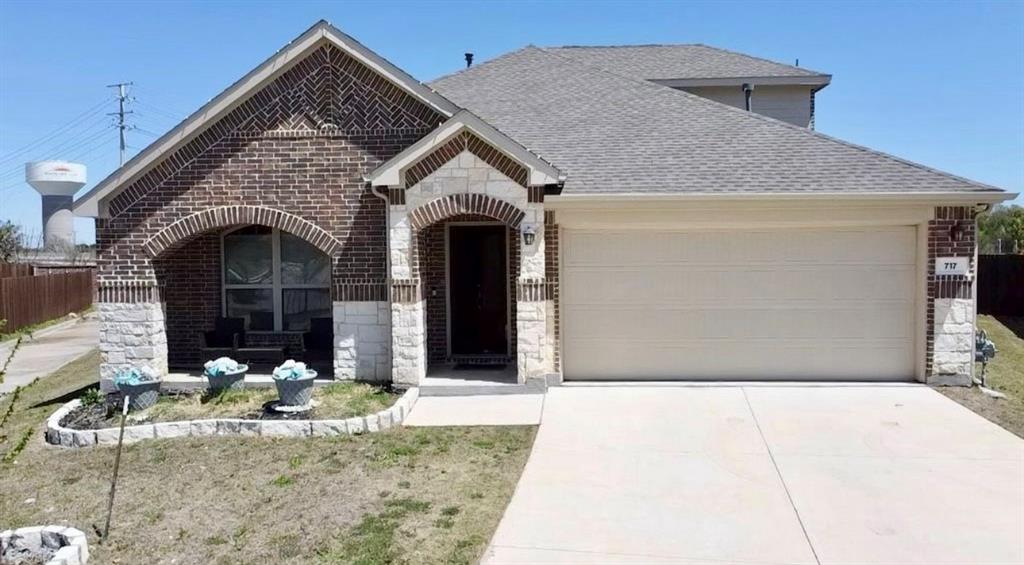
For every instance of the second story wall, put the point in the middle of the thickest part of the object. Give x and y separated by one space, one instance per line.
792 104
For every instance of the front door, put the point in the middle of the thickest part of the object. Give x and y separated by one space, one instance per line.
479 292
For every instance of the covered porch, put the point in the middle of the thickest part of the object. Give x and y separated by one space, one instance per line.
469 297
256 293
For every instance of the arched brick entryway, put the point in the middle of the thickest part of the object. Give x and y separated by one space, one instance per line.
465 204
228 216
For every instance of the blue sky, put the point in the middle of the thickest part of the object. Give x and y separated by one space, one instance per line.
934 82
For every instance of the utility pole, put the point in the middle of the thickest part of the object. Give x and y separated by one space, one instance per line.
122 97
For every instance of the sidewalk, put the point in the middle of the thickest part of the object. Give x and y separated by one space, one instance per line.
41 356
480 410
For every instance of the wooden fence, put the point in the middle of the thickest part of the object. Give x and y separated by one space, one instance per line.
16 270
27 299
1001 285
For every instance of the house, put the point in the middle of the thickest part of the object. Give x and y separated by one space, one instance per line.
590 213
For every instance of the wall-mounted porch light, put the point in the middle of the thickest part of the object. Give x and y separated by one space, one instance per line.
956 231
529 234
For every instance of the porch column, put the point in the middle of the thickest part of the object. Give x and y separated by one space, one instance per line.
532 357
132 329
408 312
951 305
362 330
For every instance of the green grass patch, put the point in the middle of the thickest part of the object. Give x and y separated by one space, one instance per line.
28 406
1005 374
283 481
372 541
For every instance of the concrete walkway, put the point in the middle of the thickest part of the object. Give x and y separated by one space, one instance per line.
43 355
480 410
763 474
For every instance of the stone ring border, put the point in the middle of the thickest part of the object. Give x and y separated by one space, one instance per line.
75 550
67 437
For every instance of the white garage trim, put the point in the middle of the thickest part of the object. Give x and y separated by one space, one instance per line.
717 217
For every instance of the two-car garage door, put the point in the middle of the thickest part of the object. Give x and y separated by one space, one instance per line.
766 304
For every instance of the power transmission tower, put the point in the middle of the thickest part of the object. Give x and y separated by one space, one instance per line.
122 97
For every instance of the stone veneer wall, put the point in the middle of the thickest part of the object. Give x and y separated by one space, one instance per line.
362 341
408 334
951 308
131 334
296 152
465 183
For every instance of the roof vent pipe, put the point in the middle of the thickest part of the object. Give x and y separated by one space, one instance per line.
469 60
748 91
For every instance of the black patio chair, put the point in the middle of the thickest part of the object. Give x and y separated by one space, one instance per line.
226 337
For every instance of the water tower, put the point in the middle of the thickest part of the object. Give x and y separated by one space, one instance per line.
57 181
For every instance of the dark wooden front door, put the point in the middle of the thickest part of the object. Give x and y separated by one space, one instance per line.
479 289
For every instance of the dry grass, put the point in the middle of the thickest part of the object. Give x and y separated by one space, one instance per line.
334 401
428 495
36 402
1005 374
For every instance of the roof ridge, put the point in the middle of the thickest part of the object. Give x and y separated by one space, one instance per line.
730 51
484 64
768 119
625 46
704 45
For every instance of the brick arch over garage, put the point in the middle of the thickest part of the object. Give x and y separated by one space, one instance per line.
228 216
460 204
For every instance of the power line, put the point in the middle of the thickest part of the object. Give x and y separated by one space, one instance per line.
157 97
105 142
98 141
146 131
73 122
71 142
158 111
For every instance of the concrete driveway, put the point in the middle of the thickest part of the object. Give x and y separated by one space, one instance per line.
765 474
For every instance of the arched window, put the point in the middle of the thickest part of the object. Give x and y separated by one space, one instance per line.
274 280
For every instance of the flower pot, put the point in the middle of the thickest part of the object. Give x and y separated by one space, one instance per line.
224 381
141 395
295 392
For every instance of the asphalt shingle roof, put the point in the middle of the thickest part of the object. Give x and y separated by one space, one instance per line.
615 134
662 62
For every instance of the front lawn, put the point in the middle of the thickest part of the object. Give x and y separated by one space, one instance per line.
407 495
1005 374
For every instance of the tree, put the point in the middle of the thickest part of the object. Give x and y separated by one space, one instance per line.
1002 230
10 241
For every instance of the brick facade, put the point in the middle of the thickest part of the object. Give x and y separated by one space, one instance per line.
950 309
292 156
552 252
301 145
466 141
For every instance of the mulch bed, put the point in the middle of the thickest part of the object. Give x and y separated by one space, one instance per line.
107 414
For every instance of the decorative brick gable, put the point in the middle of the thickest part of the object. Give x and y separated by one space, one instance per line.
300 145
292 156
466 141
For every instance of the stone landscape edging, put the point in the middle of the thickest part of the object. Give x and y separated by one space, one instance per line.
378 421
75 550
